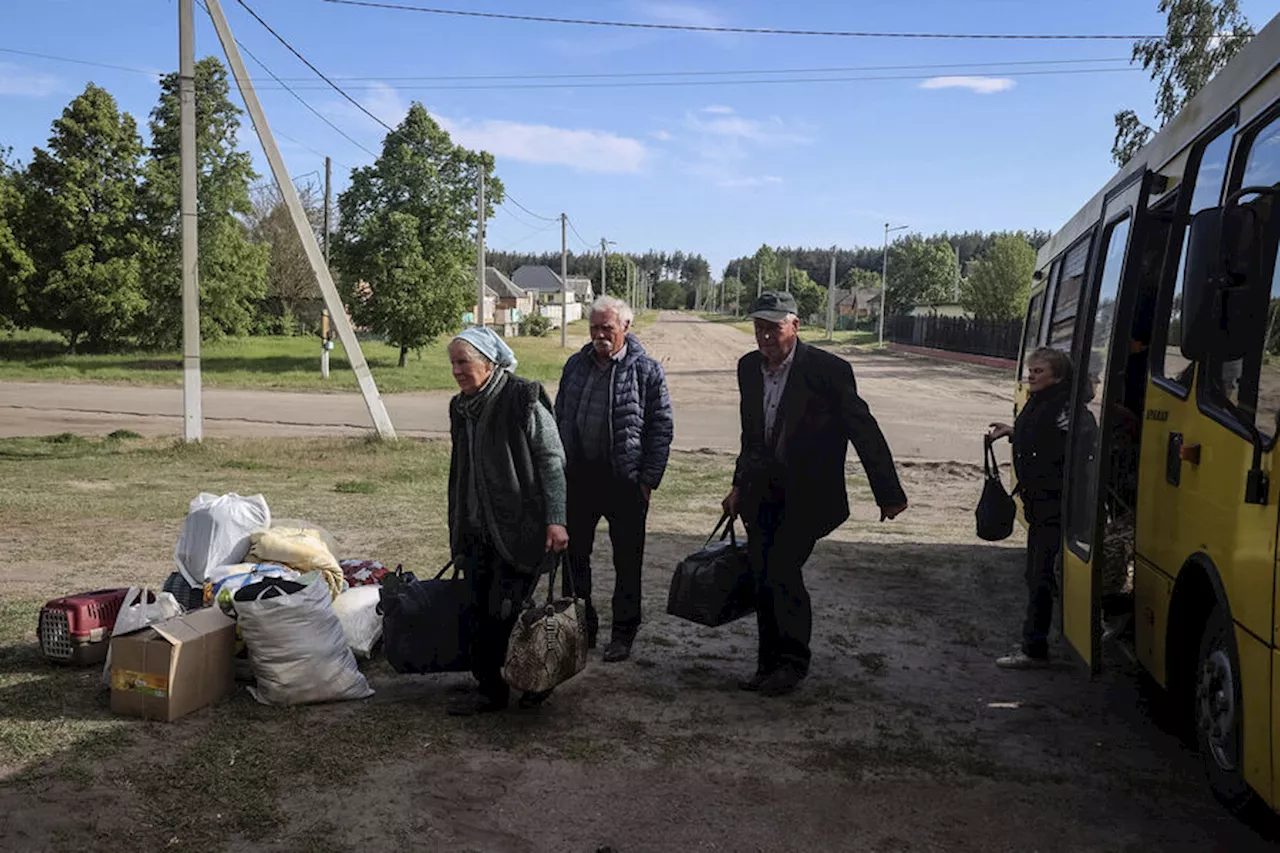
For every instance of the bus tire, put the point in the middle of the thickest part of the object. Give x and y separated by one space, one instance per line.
1217 711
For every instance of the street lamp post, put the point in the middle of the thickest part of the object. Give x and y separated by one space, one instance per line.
884 274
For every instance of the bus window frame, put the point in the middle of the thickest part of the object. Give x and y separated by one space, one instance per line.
1210 398
1061 261
1026 328
1095 269
1169 283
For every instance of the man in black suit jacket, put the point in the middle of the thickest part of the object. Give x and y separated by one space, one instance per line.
800 409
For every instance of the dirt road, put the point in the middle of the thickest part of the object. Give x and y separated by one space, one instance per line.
929 410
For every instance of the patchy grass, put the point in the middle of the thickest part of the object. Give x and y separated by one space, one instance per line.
266 362
355 487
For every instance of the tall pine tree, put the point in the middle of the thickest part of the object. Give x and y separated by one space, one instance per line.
82 222
233 269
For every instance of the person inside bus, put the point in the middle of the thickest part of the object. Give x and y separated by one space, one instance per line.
1039 437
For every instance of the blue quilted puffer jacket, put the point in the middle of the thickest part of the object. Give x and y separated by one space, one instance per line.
642 424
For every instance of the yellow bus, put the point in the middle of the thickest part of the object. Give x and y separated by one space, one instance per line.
1164 289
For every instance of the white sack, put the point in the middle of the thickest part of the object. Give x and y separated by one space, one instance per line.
216 533
357 610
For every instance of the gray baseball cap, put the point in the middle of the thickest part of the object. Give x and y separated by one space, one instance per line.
773 306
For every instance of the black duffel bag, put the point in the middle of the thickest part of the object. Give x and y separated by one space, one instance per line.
714 586
996 511
426 625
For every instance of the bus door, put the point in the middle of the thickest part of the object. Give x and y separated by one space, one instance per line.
1100 355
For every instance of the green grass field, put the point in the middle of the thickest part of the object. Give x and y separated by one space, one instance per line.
269 362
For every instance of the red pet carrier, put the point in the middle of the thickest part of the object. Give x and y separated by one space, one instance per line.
76 629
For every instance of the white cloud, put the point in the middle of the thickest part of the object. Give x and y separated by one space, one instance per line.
749 183
586 150
980 85
717 109
680 14
772 131
662 136
16 80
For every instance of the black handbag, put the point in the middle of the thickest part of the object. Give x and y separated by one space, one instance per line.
996 511
715 585
426 624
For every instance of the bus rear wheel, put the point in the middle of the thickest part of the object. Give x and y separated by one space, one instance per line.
1217 711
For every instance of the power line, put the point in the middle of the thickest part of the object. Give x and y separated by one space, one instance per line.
317 71
387 79
80 61
299 98
648 84
514 218
511 199
586 22
517 242
574 229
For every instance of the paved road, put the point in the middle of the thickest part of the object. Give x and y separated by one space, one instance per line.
929 410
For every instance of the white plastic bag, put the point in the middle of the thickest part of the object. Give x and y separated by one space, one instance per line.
297 649
216 533
357 610
137 613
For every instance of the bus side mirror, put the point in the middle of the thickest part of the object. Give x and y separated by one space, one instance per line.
1222 250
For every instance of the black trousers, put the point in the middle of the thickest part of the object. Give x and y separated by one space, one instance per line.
497 593
1044 542
779 548
596 494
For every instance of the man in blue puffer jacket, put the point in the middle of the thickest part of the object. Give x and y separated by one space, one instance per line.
615 422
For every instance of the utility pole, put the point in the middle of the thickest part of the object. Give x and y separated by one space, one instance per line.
831 298
788 275
328 204
564 283
957 297
604 272
884 275
192 411
325 343
301 225
480 249
759 281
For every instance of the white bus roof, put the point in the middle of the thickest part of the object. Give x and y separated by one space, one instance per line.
1249 68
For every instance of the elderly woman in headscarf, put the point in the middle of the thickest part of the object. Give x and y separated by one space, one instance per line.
506 500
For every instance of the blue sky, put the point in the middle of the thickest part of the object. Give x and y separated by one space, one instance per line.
716 169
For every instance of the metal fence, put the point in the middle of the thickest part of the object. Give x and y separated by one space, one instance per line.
995 338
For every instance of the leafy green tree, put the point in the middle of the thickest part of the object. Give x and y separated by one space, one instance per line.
670 295
1201 37
999 282
16 268
735 297
811 297
860 279
233 268
616 267
406 247
920 273
84 235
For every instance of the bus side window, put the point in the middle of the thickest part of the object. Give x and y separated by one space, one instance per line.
1066 298
1031 330
1204 179
1253 384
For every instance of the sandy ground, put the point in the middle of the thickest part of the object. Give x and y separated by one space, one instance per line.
929 409
904 739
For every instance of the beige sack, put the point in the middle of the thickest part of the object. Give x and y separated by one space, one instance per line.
302 550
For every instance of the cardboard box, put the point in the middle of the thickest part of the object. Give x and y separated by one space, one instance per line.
174 667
